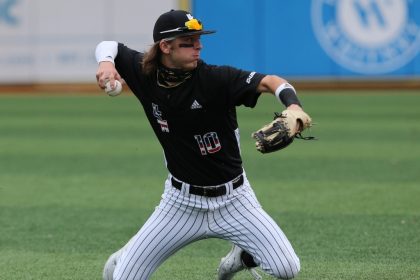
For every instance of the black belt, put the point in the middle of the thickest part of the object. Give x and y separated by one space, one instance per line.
209 191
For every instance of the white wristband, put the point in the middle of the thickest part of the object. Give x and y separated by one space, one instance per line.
281 88
106 51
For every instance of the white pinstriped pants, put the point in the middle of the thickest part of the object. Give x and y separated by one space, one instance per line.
181 219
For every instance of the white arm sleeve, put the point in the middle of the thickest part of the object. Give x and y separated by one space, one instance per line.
106 51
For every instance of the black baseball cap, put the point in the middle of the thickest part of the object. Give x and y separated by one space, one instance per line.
177 23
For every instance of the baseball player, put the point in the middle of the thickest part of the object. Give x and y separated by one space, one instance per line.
191 108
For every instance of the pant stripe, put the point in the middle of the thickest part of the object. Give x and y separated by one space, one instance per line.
181 219
241 217
285 246
237 216
154 222
164 252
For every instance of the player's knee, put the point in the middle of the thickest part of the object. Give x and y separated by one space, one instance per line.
287 273
289 269
110 265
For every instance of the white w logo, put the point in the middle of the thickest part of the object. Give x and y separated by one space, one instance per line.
371 22
368 36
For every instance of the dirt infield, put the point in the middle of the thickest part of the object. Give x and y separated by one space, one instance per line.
412 84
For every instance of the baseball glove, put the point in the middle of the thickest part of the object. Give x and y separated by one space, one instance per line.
281 132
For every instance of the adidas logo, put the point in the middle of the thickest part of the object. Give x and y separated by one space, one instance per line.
196 105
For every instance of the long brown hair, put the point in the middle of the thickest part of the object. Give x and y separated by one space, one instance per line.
151 59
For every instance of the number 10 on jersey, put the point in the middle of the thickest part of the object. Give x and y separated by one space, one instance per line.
208 143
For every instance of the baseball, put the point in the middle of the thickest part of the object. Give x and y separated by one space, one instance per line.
113 92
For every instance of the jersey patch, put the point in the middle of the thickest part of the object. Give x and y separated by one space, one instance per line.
163 125
158 115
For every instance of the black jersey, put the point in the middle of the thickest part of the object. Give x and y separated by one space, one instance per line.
195 122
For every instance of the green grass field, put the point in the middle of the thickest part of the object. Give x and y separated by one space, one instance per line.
80 174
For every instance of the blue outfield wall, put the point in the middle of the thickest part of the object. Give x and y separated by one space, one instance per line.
343 39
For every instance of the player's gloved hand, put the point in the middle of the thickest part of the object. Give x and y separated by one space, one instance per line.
281 132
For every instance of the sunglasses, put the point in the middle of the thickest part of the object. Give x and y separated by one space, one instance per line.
192 24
